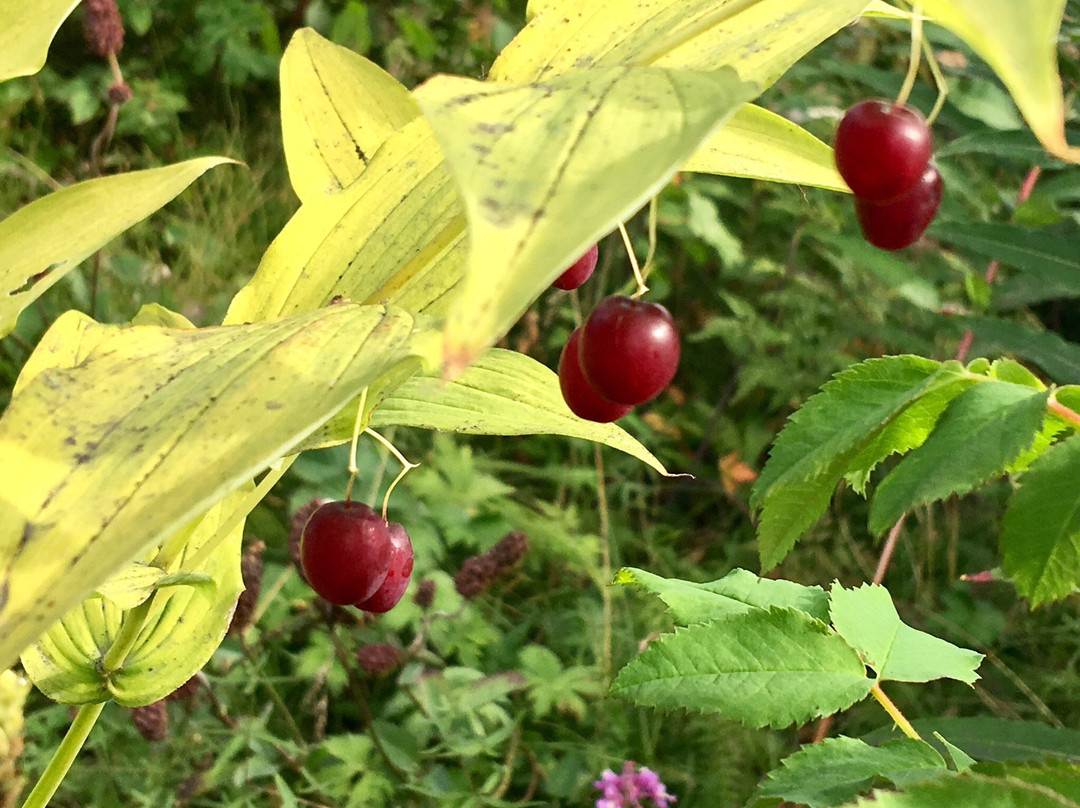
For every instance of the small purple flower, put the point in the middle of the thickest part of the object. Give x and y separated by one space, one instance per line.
627 790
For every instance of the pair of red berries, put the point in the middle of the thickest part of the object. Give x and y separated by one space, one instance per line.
351 555
883 153
626 353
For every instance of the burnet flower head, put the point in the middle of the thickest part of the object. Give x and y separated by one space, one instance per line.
631 788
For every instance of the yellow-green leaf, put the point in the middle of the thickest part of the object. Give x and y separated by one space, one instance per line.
762 145
546 169
502 393
397 234
879 8
46 239
182 628
26 33
103 458
132 585
761 39
1019 41
337 108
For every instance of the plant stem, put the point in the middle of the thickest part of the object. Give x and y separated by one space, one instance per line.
894 713
605 558
641 287
916 52
130 628
64 756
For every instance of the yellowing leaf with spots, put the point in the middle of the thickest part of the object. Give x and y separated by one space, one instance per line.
182 626
1019 41
106 456
26 33
761 39
396 235
43 241
762 145
337 108
545 169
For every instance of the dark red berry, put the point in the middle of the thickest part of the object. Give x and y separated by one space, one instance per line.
894 225
345 552
578 394
395 583
629 350
881 149
579 272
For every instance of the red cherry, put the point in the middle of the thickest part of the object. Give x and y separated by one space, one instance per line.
579 272
629 350
345 551
897 224
579 396
881 149
388 594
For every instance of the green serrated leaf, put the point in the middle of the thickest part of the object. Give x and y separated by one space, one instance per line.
839 769
852 424
867 619
774 668
1062 777
969 790
959 760
1040 534
736 593
502 393
982 431
1058 357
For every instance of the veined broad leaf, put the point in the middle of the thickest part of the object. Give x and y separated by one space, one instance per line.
396 234
182 629
867 619
1000 739
774 668
839 769
863 415
27 32
502 393
737 592
969 790
1058 357
546 169
1019 41
46 239
759 38
1040 535
762 145
133 584
982 431
337 108
1064 778
108 456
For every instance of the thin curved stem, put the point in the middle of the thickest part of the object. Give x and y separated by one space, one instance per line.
353 468
64 756
894 713
406 466
916 52
641 287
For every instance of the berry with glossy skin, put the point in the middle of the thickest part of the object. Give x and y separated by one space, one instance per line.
629 350
395 583
579 272
345 552
897 224
579 396
881 149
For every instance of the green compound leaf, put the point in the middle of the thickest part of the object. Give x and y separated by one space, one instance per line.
43 241
760 668
998 739
183 628
839 769
105 449
1040 535
27 32
867 619
502 393
337 108
970 790
982 431
762 145
737 592
526 156
863 415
